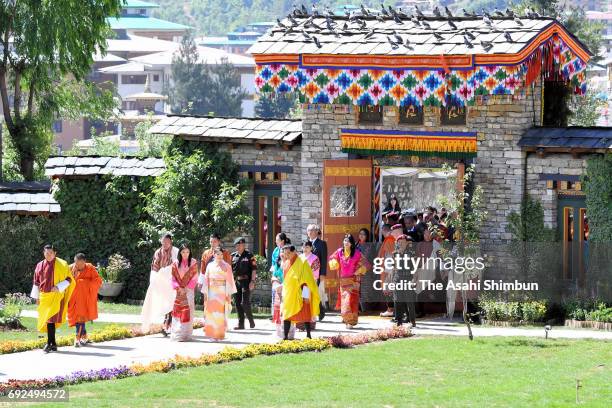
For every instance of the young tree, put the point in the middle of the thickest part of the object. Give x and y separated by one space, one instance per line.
47 49
150 145
198 194
201 88
275 106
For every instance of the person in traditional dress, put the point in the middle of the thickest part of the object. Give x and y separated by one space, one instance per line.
319 248
159 300
386 251
83 304
368 250
349 263
52 287
184 279
300 292
403 297
315 265
218 287
277 274
208 254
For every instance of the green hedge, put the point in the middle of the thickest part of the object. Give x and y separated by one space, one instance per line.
100 217
513 311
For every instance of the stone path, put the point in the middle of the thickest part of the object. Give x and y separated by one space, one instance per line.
36 364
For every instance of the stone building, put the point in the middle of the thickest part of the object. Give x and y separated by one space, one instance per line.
387 101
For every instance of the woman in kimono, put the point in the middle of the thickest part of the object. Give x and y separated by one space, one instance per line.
315 265
350 264
184 279
218 287
300 292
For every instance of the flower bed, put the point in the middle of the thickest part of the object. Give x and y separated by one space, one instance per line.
226 355
109 333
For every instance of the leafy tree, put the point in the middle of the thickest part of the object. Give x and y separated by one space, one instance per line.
198 194
150 145
585 109
278 106
201 88
47 49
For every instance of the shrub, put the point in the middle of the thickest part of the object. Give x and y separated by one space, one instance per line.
513 311
534 311
117 265
10 310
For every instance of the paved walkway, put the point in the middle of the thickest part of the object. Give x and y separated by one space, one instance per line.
35 364
102 317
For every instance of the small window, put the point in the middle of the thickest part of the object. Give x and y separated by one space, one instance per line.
411 115
370 114
453 115
133 79
57 126
156 78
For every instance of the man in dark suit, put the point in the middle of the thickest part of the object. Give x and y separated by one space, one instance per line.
319 248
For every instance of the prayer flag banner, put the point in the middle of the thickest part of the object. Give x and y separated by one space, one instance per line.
452 145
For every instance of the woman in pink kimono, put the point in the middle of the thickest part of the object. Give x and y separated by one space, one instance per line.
218 287
184 279
315 265
350 265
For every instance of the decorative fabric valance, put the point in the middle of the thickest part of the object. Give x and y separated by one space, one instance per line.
449 82
455 145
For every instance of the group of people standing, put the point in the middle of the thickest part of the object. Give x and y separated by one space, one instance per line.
62 290
174 279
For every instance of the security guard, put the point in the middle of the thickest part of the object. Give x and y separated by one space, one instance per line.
244 267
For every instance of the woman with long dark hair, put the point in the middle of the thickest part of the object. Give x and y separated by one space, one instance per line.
184 279
350 264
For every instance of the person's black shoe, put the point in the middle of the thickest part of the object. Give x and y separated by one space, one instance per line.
252 324
54 347
321 314
239 327
164 332
49 348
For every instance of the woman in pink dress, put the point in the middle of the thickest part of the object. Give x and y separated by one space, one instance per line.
184 279
350 264
218 287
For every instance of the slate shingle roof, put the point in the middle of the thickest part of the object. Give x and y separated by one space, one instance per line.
353 41
27 197
61 166
568 138
235 130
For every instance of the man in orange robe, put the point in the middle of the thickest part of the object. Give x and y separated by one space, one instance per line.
83 304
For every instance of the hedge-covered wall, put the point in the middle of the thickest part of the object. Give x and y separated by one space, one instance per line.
100 217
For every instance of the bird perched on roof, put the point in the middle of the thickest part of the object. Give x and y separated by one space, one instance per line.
508 36
467 14
415 21
518 21
316 41
329 12
292 20
364 11
451 24
369 33
436 12
398 38
448 12
509 13
379 17
470 35
347 12
487 45
486 13
397 19
438 36
304 10
345 27
401 13
498 12
393 44
418 11
426 24
407 44
487 21
383 10
531 13
329 23
278 22
307 37
315 10
467 42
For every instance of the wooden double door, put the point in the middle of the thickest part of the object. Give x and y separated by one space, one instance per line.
573 226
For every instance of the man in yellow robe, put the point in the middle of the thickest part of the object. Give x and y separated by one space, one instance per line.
300 292
52 287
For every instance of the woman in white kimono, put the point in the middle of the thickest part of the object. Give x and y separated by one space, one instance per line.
157 306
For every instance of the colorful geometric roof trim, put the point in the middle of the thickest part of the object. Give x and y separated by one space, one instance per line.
452 145
388 63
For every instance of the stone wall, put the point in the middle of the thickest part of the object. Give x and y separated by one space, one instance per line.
269 155
551 164
500 120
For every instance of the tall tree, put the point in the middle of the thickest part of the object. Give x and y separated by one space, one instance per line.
47 49
201 88
275 106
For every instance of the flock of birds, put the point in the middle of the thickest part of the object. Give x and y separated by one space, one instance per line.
356 19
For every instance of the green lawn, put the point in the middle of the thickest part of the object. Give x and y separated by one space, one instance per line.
423 372
32 334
